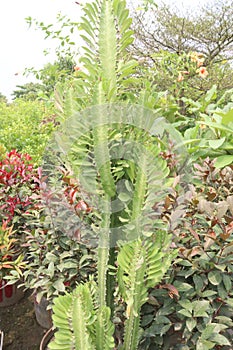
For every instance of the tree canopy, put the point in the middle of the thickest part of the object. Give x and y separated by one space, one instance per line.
164 35
165 27
3 98
47 77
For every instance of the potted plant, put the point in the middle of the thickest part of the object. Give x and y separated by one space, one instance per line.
17 185
55 262
52 261
11 264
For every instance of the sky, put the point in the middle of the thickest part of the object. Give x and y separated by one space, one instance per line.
22 47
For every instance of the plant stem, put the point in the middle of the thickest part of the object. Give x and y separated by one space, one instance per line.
103 251
111 280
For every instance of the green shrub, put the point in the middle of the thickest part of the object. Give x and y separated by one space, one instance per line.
26 127
18 187
193 307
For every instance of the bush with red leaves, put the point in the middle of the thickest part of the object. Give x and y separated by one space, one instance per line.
19 181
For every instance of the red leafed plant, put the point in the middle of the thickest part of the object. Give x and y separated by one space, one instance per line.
18 183
72 194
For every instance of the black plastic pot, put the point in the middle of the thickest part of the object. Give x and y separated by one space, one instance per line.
43 316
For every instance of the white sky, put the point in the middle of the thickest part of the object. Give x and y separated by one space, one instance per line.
22 47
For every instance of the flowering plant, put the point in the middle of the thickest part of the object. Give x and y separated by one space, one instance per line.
195 63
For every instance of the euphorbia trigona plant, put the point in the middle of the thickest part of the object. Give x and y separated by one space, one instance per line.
114 150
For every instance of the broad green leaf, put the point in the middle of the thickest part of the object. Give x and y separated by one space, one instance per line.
162 319
229 301
191 324
182 286
67 265
64 255
220 267
226 117
215 144
211 94
165 310
124 197
227 282
208 293
220 339
186 304
228 146
198 281
212 328
146 320
216 126
59 285
185 313
51 257
225 320
205 345
222 293
223 161
215 277
165 329
191 133
200 308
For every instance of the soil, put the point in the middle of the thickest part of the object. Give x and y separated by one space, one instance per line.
19 325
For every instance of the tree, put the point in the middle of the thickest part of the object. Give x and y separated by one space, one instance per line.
59 71
52 73
28 91
3 98
209 31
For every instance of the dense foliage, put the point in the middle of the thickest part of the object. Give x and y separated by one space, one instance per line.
18 186
165 32
26 127
192 308
18 183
